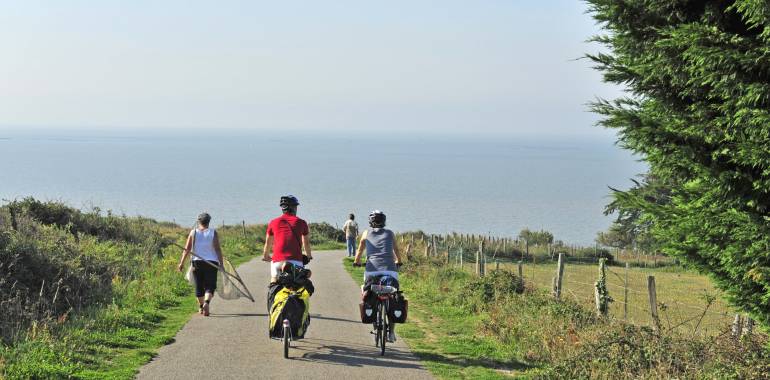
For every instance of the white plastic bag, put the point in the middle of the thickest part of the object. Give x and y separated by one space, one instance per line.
190 276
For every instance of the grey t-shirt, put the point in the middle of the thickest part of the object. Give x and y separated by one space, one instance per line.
379 250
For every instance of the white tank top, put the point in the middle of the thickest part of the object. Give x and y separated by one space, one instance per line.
204 245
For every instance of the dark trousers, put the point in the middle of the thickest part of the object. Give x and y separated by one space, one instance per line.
205 277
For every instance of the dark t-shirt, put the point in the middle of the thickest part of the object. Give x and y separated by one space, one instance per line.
286 244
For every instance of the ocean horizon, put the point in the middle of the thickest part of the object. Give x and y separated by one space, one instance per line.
493 185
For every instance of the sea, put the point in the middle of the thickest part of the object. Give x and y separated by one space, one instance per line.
434 183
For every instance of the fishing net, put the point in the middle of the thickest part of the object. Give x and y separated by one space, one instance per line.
231 285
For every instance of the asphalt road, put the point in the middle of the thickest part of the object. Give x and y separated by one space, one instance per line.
232 343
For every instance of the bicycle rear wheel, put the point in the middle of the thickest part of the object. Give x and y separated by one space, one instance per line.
286 340
383 331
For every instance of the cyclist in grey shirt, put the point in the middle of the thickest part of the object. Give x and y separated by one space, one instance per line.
382 256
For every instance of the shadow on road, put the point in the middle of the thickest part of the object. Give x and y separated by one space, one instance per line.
236 315
356 355
319 316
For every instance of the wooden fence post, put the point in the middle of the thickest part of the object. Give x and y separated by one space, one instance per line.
557 282
737 326
243 224
408 252
526 243
653 303
602 301
434 249
625 295
427 250
748 327
483 258
521 271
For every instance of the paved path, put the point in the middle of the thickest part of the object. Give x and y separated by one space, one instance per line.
232 343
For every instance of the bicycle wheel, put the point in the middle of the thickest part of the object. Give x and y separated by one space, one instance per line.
383 329
286 339
377 327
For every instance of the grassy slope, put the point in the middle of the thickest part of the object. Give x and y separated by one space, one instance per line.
444 336
114 341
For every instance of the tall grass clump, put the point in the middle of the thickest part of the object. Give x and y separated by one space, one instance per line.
55 260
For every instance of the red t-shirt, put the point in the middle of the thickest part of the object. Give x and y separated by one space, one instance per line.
286 244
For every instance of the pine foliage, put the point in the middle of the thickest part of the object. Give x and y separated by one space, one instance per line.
698 111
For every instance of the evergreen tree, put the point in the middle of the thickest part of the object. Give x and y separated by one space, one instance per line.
698 111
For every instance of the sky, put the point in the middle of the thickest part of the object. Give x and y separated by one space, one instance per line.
507 67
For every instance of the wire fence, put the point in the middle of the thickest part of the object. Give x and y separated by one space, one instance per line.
681 301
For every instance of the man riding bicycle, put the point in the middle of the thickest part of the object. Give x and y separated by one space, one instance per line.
287 234
382 256
290 286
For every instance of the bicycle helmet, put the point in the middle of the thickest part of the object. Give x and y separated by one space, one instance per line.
377 219
289 203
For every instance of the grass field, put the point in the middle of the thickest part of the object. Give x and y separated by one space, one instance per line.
682 295
462 326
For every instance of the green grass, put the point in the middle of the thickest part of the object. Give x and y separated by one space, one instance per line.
446 337
328 246
114 340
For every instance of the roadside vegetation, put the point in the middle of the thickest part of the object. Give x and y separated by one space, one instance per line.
500 326
92 295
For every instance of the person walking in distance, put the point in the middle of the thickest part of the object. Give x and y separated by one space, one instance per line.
206 258
351 234
287 235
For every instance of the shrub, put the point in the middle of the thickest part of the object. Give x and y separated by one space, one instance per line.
478 293
322 232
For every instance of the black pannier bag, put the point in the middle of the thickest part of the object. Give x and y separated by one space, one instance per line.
398 308
368 314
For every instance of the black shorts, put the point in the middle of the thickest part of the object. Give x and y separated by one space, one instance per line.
205 277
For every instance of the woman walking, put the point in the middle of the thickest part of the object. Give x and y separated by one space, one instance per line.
206 258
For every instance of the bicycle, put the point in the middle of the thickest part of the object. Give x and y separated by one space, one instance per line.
382 324
288 304
287 334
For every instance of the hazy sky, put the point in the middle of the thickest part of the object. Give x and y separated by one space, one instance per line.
481 67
